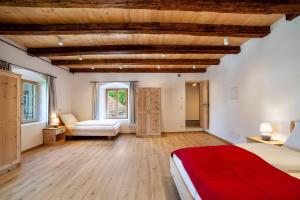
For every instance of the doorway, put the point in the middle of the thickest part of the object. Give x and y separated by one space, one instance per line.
192 102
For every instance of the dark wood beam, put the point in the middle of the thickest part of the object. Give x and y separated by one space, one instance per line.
224 6
133 49
136 62
290 17
137 70
136 28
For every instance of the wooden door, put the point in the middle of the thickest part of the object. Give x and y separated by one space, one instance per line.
204 104
154 111
9 120
142 112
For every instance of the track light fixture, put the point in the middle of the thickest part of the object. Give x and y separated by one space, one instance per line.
226 41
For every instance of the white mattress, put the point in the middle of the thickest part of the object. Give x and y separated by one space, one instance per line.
283 158
94 128
96 123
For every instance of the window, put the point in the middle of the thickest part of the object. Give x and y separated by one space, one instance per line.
116 103
29 101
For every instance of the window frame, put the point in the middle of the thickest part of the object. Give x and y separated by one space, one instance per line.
106 102
24 121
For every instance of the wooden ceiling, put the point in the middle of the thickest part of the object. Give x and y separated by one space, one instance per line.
139 36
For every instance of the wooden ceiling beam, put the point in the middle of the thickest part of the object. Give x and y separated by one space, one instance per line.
136 62
138 70
136 28
224 6
133 49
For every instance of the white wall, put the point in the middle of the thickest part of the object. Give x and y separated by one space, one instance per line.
172 97
260 84
192 102
32 133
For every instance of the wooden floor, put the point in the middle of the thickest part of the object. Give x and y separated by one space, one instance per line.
124 168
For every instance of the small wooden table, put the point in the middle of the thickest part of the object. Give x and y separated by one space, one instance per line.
54 136
257 139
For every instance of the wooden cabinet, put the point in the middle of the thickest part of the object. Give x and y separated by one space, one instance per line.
53 136
10 122
204 104
148 112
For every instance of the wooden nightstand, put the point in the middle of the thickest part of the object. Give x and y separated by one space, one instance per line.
53 136
257 139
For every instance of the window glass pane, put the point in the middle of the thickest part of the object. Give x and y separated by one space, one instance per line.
116 104
111 104
29 102
122 103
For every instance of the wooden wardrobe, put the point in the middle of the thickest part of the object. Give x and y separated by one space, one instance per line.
204 104
10 124
148 112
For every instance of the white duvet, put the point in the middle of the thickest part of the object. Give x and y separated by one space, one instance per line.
96 123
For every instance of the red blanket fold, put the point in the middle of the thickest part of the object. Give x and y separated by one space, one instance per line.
229 172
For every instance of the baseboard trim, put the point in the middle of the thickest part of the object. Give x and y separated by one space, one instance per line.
32 148
215 136
176 132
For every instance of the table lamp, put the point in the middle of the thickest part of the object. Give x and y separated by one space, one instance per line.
55 122
266 130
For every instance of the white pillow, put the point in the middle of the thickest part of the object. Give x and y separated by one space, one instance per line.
68 119
293 140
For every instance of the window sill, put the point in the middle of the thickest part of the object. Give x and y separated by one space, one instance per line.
33 123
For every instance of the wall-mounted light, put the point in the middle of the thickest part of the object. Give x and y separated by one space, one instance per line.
80 58
92 68
163 55
194 84
158 66
194 66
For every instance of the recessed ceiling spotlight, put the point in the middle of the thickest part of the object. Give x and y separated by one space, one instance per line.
194 84
92 68
60 41
158 66
80 57
226 41
194 66
163 55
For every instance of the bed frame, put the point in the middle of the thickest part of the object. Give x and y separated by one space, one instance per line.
182 188
293 124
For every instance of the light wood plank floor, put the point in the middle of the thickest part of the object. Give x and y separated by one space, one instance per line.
124 168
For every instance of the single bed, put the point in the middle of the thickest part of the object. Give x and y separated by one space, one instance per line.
89 127
283 158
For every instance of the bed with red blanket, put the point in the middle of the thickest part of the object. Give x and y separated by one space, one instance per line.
229 172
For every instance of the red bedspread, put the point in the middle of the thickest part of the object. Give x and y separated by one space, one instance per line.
229 172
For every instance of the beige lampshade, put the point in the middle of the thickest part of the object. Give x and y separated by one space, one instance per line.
266 128
55 121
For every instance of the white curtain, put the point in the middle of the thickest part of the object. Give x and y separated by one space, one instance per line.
96 106
132 102
52 101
